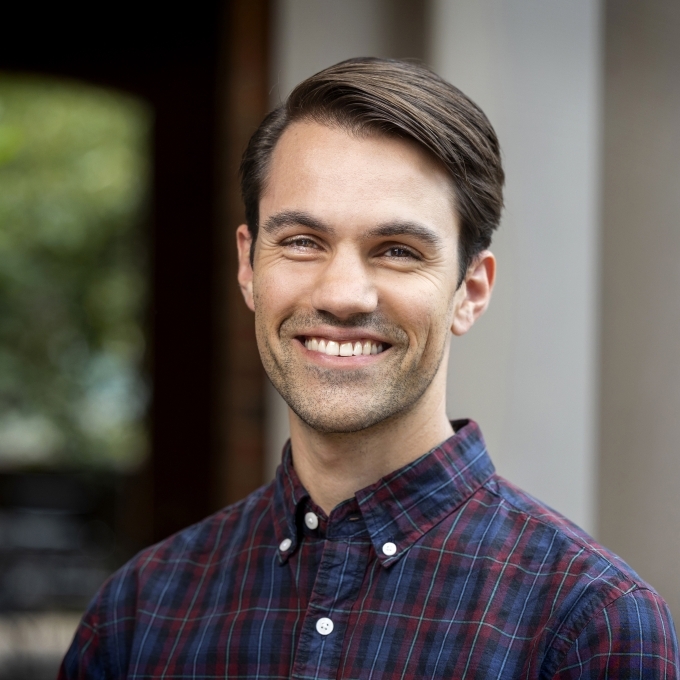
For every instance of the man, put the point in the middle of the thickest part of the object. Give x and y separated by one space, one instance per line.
386 547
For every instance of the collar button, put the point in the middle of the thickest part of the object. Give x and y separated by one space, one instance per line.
389 549
311 520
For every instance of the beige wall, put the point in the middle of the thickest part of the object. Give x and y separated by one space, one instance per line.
526 372
312 34
640 354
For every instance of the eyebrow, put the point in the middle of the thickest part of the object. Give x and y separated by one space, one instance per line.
407 228
287 218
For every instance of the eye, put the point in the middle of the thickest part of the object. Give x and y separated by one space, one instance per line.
401 252
300 243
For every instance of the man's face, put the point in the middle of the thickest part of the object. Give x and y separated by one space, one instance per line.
354 277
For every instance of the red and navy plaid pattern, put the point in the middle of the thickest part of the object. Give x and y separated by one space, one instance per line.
485 582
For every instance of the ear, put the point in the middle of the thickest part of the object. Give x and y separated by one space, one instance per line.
474 293
245 270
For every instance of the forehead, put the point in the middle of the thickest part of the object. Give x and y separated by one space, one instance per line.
360 178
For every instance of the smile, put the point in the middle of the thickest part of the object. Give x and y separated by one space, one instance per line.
343 349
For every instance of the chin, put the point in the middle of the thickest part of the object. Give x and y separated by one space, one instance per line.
336 424
331 419
332 402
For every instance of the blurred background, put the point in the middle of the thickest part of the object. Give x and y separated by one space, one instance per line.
132 401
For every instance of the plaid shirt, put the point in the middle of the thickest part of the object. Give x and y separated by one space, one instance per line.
442 569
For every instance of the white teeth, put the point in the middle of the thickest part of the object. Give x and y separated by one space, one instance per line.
344 349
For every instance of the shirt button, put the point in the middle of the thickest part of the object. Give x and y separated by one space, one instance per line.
311 520
324 626
389 549
285 544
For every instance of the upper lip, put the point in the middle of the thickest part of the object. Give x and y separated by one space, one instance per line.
341 335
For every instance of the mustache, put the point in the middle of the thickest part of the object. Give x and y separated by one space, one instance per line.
300 322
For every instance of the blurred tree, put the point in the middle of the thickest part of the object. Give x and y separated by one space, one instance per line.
74 181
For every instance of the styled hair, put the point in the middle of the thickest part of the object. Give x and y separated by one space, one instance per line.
395 98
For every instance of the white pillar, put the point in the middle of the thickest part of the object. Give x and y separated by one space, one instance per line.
526 372
640 406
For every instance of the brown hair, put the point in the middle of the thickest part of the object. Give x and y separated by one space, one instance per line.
384 96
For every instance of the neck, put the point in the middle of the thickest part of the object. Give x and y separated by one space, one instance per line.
334 466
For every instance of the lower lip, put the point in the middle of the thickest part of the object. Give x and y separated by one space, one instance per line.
341 362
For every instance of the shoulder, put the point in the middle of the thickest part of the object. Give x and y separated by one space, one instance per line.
218 532
201 546
567 541
164 573
599 614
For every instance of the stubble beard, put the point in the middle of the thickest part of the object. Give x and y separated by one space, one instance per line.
341 402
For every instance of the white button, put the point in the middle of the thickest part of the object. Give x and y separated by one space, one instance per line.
311 520
324 626
389 549
285 544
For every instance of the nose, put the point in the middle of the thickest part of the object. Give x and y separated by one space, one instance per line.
345 286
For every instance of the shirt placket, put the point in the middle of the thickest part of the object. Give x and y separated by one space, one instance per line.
343 564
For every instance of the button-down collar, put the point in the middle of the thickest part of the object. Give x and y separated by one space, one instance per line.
399 508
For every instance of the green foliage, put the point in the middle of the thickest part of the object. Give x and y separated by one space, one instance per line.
74 182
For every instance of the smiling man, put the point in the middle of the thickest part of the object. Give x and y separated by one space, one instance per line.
386 547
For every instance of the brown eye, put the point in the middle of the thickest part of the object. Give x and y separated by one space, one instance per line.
400 252
300 242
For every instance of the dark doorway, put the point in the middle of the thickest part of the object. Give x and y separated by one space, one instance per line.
202 71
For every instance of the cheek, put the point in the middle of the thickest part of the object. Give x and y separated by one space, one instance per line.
426 325
276 292
423 309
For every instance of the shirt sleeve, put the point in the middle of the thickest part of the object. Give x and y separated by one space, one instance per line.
633 637
101 644
85 658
